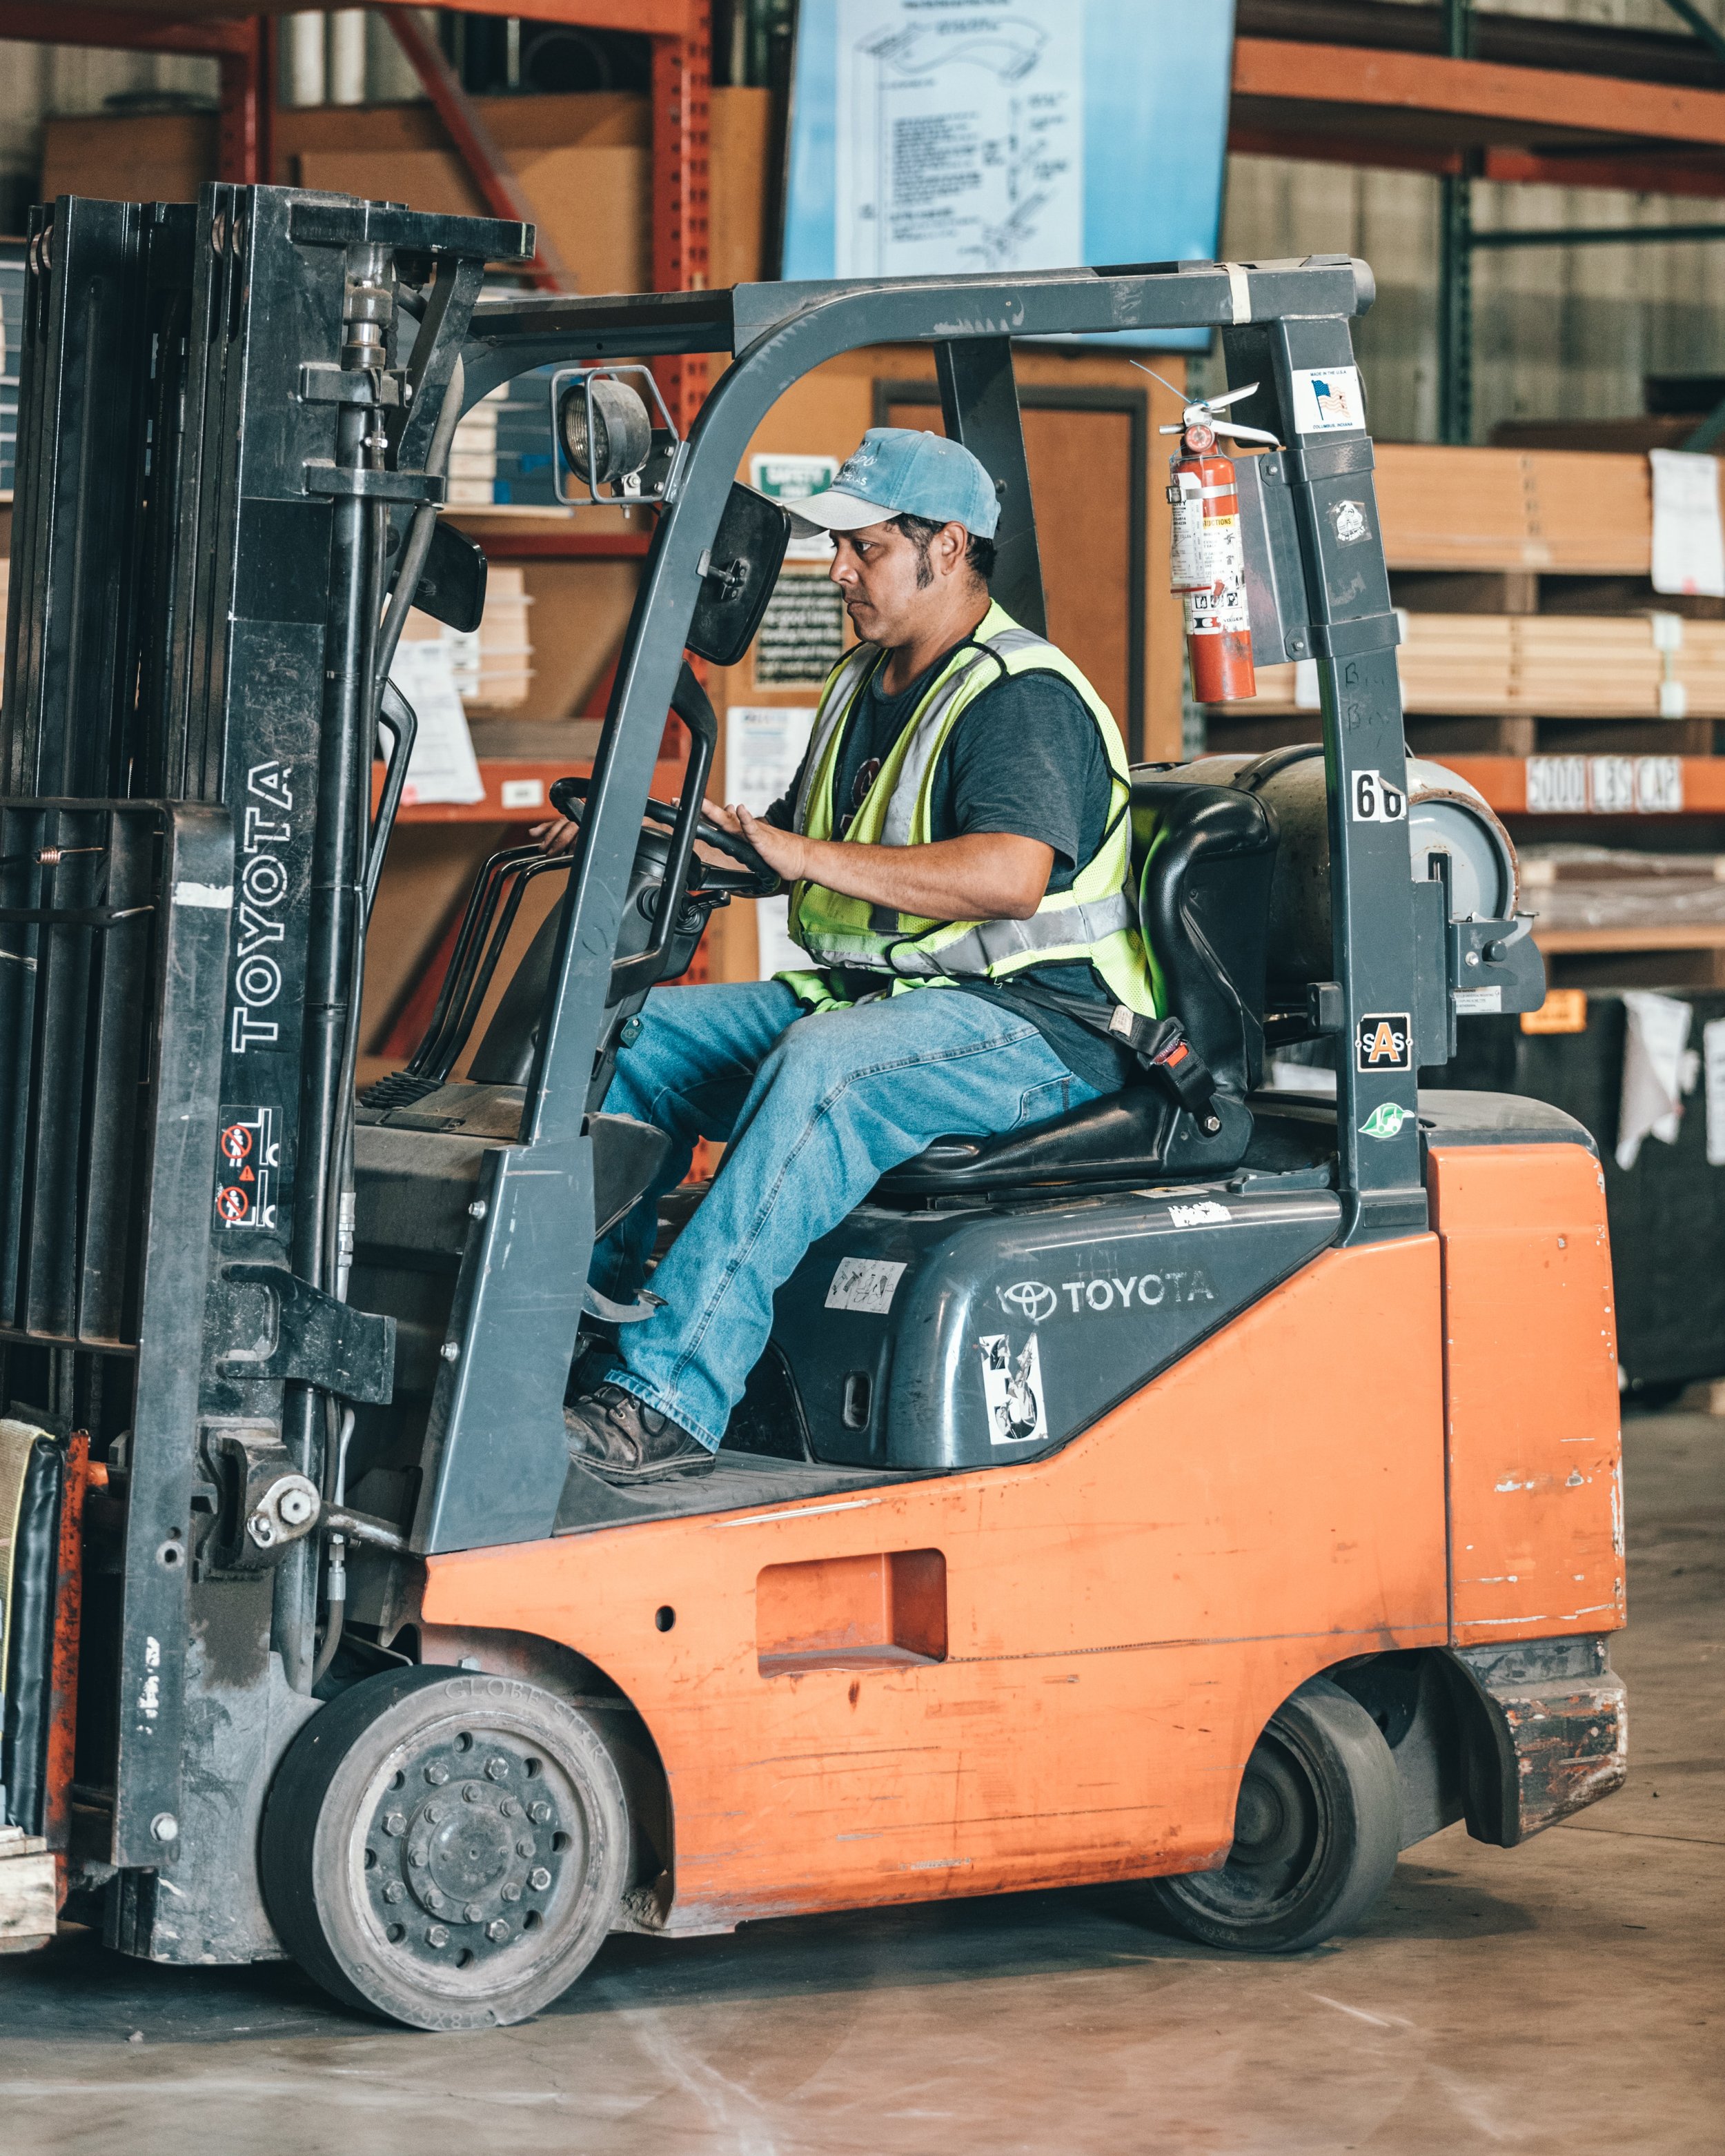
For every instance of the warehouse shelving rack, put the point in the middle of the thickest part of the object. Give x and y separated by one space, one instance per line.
1466 96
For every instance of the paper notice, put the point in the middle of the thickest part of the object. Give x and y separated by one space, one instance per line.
1656 1044
1688 536
1712 1051
444 766
960 137
764 746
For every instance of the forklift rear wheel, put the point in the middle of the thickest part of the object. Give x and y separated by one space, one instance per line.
444 1850
1316 1833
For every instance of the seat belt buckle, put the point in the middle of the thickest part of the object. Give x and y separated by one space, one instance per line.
1162 1047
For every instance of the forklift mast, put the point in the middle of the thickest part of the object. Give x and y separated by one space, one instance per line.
232 425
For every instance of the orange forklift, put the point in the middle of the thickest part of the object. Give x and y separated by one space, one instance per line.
1214 1488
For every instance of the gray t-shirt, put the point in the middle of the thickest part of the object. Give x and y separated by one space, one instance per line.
1024 759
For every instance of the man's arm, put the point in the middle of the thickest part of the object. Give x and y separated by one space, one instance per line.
989 876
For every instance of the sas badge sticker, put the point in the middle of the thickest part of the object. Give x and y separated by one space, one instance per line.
1012 1387
1384 1121
1385 1042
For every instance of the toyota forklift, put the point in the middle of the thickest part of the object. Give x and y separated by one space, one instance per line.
1214 1486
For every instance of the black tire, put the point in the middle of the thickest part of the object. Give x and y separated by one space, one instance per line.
1316 1833
447 1851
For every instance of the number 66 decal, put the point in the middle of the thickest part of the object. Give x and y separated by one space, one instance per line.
1376 801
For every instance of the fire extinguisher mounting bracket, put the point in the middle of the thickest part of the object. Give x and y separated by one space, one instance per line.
1350 639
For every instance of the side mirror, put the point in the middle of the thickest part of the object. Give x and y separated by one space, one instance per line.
737 575
452 584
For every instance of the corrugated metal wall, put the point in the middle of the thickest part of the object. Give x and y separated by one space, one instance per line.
1560 333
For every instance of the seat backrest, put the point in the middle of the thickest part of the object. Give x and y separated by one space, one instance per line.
1204 856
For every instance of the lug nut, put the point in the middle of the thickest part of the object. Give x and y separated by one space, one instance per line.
438 1936
395 1823
497 1930
511 1892
474 1912
395 1892
541 1813
539 1879
525 1847
509 1808
432 1900
497 1769
417 1856
471 1792
436 1773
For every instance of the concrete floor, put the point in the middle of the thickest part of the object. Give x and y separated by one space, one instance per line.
1564 1996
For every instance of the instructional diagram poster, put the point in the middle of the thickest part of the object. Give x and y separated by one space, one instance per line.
947 137
959 140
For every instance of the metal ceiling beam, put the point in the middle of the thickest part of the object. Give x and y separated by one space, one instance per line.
1592 235
1355 76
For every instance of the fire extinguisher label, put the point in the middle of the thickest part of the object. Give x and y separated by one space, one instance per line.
1188 557
1376 801
1218 608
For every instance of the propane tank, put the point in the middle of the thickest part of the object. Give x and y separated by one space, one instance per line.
1207 563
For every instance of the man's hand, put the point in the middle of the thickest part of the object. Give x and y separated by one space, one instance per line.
784 852
555 837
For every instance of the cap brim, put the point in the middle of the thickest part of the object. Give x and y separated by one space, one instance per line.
832 511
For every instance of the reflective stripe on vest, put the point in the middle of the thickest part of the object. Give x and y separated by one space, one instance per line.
1096 920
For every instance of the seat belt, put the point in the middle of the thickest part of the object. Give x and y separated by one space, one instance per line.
1159 1045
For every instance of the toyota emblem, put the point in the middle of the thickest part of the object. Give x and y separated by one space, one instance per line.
1030 1300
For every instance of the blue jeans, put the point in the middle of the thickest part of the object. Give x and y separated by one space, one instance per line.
814 1110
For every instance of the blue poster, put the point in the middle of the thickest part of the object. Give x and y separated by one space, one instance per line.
945 137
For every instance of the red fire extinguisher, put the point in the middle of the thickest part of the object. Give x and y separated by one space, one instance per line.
1207 565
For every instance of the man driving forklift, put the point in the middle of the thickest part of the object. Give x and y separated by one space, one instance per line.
959 821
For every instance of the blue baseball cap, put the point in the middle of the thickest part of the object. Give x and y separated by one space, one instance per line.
899 471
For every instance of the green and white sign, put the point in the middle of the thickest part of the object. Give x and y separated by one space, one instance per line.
791 480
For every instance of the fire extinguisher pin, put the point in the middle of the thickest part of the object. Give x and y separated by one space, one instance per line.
1201 411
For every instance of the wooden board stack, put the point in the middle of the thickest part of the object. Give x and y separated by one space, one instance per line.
1554 666
1565 510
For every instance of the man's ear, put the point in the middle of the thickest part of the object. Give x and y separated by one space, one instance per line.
954 544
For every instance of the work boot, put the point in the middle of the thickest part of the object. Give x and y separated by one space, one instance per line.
621 1440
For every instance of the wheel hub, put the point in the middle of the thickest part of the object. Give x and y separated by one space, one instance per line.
466 1850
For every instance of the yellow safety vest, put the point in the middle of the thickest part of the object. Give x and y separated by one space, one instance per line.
1096 920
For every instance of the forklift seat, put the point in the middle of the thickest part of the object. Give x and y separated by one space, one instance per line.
1203 855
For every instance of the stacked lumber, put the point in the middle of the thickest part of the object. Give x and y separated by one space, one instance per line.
1570 512
1580 666
491 666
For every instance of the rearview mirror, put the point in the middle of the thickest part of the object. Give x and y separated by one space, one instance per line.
738 574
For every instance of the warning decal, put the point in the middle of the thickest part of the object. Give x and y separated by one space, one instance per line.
248 1161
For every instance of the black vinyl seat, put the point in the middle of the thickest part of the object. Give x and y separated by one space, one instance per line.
1202 856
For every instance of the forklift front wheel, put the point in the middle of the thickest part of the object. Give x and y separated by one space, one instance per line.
1316 1833
445 1849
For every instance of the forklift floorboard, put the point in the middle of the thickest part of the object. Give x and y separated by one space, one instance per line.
735 1481
1563 1996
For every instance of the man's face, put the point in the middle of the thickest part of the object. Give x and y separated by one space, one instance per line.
889 590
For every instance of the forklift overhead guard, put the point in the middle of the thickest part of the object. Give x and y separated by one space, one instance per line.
1303 1406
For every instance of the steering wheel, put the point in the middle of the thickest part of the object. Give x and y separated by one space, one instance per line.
751 879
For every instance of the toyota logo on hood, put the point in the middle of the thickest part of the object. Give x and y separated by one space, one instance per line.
1030 1300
